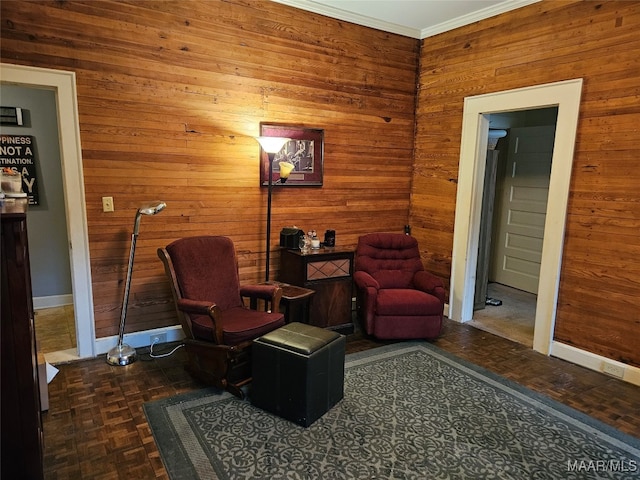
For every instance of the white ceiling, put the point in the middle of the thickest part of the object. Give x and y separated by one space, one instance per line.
411 18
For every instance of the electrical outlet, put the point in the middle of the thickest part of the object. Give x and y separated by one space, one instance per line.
107 204
158 338
613 369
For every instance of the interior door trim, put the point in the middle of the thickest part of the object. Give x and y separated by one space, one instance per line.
475 128
63 83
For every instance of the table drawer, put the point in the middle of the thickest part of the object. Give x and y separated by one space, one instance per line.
321 270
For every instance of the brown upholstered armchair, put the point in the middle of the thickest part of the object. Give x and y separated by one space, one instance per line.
395 297
219 329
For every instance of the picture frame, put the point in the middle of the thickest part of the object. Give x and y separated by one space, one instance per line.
305 151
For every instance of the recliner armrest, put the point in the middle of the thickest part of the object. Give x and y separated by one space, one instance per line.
364 280
367 289
430 283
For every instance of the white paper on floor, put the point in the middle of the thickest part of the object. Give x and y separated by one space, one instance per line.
51 372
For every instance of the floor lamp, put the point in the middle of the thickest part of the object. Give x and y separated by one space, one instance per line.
272 145
122 354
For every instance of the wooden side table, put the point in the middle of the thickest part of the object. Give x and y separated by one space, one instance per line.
328 271
296 301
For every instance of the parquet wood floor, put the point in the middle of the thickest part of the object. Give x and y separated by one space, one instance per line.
96 429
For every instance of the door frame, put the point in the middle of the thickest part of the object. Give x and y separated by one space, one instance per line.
475 130
63 83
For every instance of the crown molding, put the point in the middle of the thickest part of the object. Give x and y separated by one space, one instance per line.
476 16
347 16
367 21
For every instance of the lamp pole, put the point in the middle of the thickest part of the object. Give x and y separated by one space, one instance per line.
272 145
122 354
268 250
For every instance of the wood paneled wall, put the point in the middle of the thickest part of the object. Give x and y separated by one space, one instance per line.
171 94
550 41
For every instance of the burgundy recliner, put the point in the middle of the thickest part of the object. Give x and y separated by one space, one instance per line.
395 297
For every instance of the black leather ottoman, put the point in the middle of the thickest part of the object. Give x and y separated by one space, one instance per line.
298 372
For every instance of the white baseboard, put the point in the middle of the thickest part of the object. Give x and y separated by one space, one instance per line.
138 339
52 301
559 350
594 362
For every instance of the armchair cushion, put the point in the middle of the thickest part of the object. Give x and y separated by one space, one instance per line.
391 259
194 264
237 326
404 301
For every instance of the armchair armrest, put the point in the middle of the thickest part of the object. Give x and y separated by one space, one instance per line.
202 307
199 307
366 294
430 283
269 292
364 280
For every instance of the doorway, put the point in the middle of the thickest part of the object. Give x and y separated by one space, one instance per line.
515 198
64 85
475 128
46 220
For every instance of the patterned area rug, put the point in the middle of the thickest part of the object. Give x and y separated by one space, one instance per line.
410 411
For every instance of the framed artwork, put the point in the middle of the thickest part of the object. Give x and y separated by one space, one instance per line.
305 151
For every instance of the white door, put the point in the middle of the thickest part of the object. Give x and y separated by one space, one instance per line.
521 212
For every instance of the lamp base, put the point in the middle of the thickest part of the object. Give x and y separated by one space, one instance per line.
121 355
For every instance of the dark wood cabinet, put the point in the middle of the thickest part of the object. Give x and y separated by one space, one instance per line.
21 421
330 273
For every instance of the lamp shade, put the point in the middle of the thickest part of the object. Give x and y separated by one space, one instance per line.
147 209
152 208
285 169
272 144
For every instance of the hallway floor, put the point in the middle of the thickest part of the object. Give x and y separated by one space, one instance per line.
55 329
513 320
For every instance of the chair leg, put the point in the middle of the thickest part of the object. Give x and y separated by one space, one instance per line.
225 369
236 388
239 373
